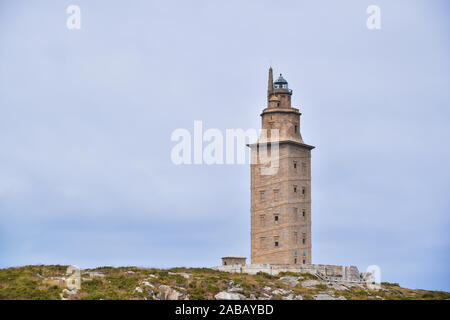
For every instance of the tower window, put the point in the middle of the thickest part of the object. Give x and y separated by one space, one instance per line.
262 242
295 189
303 240
303 213
304 262
303 190
276 218
295 165
295 129
295 260
262 220
276 243
276 239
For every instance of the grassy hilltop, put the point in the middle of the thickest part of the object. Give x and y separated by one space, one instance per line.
47 282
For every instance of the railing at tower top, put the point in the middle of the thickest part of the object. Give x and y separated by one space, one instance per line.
279 90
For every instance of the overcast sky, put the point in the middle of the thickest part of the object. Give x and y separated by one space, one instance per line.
86 118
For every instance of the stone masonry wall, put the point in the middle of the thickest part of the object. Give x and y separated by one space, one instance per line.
328 272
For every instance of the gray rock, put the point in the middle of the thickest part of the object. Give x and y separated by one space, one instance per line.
138 289
235 289
341 298
352 285
310 283
70 292
267 289
67 292
147 284
323 296
299 297
289 297
185 275
281 292
292 281
180 288
151 293
336 286
229 296
96 274
167 293
265 296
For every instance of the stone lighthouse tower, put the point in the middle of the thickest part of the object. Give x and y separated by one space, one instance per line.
281 199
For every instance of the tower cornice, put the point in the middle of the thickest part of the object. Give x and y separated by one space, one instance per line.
303 145
281 110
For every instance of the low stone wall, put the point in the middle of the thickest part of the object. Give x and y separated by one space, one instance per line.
326 272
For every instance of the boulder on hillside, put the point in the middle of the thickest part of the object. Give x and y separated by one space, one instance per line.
167 293
96 274
229 296
138 289
147 284
323 296
292 281
310 283
281 292
336 286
